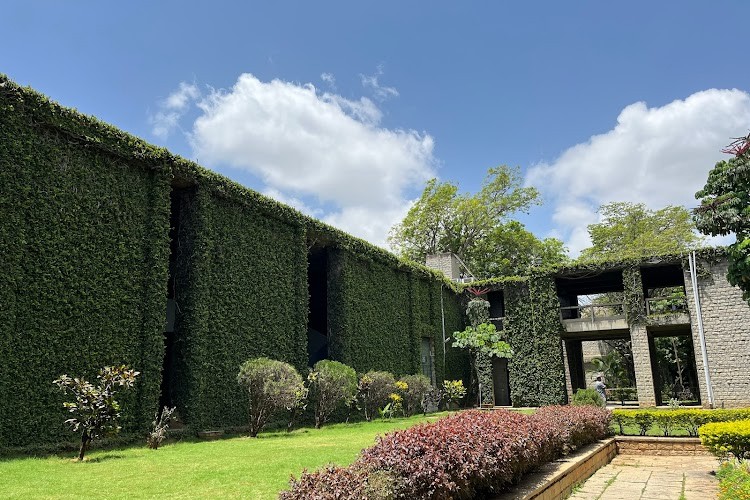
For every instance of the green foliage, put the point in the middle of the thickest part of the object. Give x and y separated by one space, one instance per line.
378 308
84 244
686 419
612 365
623 394
374 389
532 328
95 410
453 392
633 230
331 383
85 239
484 338
583 397
476 227
725 209
271 386
727 438
228 249
417 387
734 481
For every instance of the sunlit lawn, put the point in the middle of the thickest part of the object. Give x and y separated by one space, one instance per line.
240 467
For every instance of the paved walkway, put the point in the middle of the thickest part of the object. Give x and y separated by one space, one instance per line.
633 477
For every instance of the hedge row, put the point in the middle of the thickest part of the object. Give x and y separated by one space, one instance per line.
669 420
468 455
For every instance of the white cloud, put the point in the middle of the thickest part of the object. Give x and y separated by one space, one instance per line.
657 156
329 79
172 109
380 92
304 143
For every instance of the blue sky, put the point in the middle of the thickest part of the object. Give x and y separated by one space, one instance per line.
344 109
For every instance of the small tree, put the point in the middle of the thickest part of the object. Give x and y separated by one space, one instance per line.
159 427
374 390
416 388
95 410
331 383
271 385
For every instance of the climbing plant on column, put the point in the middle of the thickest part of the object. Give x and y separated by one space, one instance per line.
483 342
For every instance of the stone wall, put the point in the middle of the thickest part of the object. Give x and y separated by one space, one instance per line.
726 324
447 263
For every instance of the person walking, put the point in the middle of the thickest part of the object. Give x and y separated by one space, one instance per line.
601 389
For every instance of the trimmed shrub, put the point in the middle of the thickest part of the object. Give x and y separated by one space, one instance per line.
374 391
587 397
467 455
623 394
417 386
727 438
669 421
331 384
580 424
271 385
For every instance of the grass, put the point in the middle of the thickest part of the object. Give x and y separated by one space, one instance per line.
239 467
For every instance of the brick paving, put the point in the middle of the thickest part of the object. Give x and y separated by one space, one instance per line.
645 477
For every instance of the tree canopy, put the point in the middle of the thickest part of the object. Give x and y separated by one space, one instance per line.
633 230
476 227
725 209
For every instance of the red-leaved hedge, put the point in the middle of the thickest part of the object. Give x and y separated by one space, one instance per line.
467 455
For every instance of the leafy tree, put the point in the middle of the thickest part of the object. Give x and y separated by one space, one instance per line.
95 409
476 227
725 209
331 383
271 385
633 230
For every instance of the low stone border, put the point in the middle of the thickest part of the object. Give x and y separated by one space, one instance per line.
660 446
557 479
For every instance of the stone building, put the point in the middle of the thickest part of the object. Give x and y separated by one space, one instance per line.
644 303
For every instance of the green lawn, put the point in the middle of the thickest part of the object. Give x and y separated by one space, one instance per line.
239 467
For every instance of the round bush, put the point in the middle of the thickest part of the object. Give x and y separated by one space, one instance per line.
331 383
271 385
584 397
417 387
374 389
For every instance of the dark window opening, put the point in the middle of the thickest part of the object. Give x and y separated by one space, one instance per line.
664 289
177 199
497 308
317 320
591 296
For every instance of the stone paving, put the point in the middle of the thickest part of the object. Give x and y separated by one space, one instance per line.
631 477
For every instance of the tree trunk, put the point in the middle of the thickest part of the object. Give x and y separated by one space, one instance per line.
85 440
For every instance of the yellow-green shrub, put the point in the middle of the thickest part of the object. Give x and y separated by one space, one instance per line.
727 438
669 420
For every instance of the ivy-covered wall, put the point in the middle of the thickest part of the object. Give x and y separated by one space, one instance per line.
241 293
379 315
85 245
533 328
83 255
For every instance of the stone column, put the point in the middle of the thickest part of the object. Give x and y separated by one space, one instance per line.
644 376
566 367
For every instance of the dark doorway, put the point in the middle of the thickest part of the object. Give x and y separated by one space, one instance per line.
673 367
317 320
501 381
179 200
427 357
